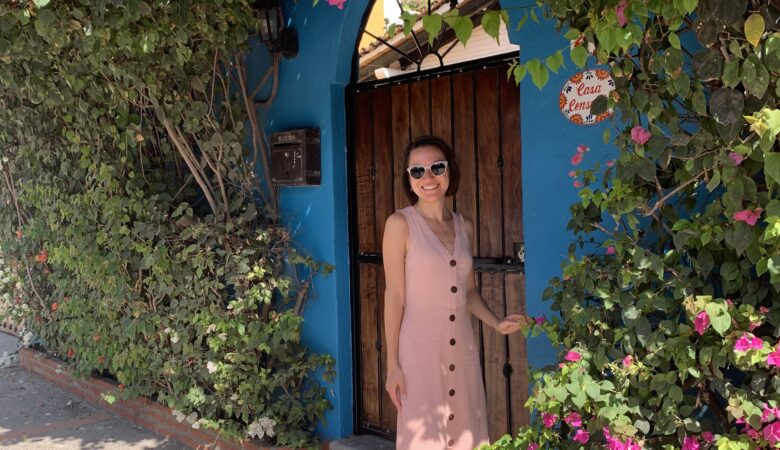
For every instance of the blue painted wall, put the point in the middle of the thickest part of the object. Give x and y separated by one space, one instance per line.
549 140
312 94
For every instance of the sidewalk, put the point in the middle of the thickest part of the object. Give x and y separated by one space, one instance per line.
37 415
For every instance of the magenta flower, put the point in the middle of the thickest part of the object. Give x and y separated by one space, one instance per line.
582 436
773 359
774 413
628 361
763 309
576 159
533 446
549 419
574 420
690 443
610 163
708 437
772 433
582 148
640 135
620 12
701 322
752 432
610 250
748 216
540 320
338 3
736 158
577 184
746 343
572 174
573 356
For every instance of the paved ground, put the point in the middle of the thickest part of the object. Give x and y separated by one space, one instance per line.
37 415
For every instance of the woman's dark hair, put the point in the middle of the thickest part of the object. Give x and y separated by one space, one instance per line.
449 155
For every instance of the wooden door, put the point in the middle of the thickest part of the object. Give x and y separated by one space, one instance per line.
477 112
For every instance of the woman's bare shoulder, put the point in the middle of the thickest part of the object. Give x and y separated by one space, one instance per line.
396 224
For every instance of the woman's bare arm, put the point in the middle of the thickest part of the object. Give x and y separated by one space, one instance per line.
394 257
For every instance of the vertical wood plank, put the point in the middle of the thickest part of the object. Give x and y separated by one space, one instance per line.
420 108
441 114
513 233
364 168
490 244
399 99
384 206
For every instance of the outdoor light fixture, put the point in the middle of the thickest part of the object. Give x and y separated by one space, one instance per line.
273 32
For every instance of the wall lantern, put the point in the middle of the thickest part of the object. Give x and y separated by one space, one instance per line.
273 32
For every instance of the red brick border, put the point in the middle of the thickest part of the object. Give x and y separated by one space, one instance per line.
141 411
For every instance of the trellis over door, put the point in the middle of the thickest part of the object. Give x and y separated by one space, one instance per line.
477 112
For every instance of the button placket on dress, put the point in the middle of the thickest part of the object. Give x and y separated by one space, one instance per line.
452 352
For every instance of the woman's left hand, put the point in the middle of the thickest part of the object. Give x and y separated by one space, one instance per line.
511 323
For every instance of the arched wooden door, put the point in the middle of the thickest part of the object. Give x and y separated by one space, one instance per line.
477 111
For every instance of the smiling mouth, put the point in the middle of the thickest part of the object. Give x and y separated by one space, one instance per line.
429 188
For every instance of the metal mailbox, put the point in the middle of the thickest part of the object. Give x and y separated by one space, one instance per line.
295 158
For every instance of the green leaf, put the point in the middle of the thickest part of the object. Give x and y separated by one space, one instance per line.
555 61
579 55
674 40
539 74
690 5
772 166
533 16
519 73
432 25
522 22
754 28
462 26
606 136
731 74
726 105
41 3
491 23
599 105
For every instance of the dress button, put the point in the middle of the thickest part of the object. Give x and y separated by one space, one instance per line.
451 417
452 392
452 341
454 289
451 443
452 317
452 367
453 263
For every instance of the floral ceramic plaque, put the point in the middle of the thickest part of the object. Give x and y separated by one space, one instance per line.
579 92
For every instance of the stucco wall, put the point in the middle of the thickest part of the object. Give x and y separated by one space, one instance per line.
312 94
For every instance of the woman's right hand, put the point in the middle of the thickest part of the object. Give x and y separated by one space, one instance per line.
396 386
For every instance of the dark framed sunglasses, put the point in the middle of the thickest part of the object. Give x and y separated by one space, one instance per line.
437 168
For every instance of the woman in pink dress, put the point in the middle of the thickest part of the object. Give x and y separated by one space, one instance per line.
433 372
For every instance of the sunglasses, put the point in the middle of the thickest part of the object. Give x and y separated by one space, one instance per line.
437 168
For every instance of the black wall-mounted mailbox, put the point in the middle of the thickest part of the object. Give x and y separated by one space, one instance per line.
295 158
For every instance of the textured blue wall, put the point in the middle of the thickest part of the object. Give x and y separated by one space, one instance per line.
548 142
312 94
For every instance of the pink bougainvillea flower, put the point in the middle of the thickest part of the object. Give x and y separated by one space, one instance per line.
772 433
582 436
582 148
748 216
773 359
610 250
628 361
763 309
736 158
572 174
701 322
746 343
540 320
690 443
610 163
549 419
708 437
574 420
754 325
54 306
573 356
640 135
577 184
576 159
533 446
620 12
71 352
753 433
338 3
729 302
769 412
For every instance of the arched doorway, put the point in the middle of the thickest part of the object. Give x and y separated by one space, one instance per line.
471 104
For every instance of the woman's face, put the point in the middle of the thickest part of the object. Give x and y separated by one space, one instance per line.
430 187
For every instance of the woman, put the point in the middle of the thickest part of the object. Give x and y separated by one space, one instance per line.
433 372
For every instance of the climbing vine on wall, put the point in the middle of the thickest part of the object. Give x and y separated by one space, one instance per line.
139 241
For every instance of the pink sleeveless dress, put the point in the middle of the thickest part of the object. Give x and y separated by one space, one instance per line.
444 407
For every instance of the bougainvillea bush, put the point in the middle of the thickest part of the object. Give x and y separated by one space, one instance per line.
669 304
136 239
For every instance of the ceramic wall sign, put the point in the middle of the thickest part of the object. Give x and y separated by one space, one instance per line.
579 92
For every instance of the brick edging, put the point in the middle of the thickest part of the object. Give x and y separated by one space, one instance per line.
141 411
